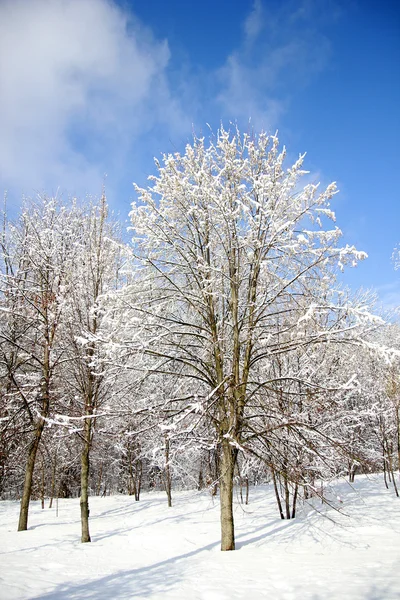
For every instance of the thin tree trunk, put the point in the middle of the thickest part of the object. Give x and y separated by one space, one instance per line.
398 436
84 503
227 466
98 487
296 491
213 466
131 482
352 472
287 496
395 484
384 473
167 473
53 479
200 484
277 496
43 483
391 470
240 484
138 479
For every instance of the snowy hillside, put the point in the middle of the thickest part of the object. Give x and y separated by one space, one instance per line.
145 550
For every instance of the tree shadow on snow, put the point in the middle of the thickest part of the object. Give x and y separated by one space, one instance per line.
135 583
271 532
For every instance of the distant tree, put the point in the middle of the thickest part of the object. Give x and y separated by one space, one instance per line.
88 377
38 264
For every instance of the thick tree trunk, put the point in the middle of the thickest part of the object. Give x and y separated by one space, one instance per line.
227 466
85 537
30 466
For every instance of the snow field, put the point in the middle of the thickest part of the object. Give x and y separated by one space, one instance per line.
147 550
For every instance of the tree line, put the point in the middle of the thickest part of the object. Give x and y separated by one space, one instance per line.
216 348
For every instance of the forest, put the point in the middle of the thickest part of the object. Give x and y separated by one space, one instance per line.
213 347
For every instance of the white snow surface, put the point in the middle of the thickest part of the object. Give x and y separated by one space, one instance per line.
146 550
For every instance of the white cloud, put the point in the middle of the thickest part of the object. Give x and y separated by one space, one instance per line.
85 88
79 80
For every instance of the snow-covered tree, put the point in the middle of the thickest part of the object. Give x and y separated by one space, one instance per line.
38 266
87 378
234 260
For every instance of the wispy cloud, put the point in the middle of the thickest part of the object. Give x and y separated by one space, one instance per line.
254 22
276 56
80 80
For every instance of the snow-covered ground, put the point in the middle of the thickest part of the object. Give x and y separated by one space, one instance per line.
147 550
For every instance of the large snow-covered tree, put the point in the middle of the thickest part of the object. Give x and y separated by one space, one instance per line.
234 260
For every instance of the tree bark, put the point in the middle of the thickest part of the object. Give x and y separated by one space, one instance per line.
84 503
30 466
294 503
138 479
167 473
43 484
227 467
33 448
277 496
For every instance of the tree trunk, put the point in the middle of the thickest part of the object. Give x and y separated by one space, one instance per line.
43 484
98 487
294 503
398 436
277 496
200 484
227 466
167 473
33 448
287 495
391 469
85 483
30 466
384 471
138 479
247 489
53 479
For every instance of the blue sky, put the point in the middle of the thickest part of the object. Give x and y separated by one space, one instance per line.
90 88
